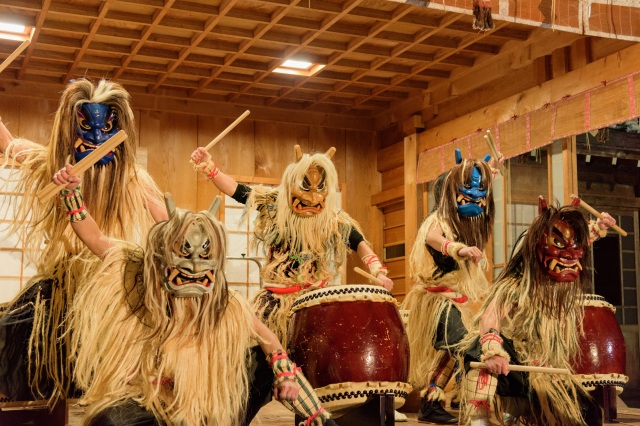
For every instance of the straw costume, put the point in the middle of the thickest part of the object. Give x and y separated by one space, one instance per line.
304 233
447 283
171 344
533 317
34 334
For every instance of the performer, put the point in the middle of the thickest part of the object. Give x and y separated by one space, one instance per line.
170 342
445 262
34 349
533 317
299 224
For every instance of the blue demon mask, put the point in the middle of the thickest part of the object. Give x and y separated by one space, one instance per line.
471 197
96 124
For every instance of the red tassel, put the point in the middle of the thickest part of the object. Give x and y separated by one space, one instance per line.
482 15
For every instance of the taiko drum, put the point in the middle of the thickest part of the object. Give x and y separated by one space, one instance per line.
602 359
350 343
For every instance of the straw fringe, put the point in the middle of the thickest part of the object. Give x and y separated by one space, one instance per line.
121 358
319 244
115 194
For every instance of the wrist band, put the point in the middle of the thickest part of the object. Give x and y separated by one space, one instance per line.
283 368
492 346
210 170
444 247
374 265
73 203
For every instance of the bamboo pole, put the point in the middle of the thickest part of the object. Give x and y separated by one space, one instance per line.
84 164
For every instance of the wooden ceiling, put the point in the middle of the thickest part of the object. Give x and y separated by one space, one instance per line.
377 54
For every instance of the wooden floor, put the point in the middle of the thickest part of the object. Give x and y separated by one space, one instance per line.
274 414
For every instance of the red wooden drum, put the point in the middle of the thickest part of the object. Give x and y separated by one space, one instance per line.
602 360
350 342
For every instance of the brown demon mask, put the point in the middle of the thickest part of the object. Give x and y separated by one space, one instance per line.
308 196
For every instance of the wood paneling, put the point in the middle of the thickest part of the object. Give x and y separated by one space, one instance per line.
393 178
394 236
170 139
362 181
394 218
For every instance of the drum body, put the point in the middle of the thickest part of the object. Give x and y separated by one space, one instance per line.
350 343
602 358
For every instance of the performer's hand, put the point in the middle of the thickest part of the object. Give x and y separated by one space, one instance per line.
65 177
497 365
286 390
472 252
386 282
494 163
606 221
200 155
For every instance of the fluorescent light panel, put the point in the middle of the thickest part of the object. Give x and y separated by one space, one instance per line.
12 28
9 31
294 67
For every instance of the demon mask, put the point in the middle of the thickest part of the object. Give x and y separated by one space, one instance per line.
96 123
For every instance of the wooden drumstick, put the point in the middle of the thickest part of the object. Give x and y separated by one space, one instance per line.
84 164
494 151
597 214
526 368
227 130
367 275
15 54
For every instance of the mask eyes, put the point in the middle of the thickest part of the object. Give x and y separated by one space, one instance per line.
82 121
206 248
558 243
185 249
109 124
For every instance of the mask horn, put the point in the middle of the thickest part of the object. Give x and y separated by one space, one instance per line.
542 205
171 205
215 205
487 158
298 152
330 152
458 155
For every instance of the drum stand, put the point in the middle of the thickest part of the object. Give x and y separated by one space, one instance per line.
606 397
377 411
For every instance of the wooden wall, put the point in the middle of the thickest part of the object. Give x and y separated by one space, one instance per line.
254 149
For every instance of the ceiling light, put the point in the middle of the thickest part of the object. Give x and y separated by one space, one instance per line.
9 31
295 67
300 65
12 28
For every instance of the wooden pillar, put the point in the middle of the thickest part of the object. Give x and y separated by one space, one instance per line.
411 201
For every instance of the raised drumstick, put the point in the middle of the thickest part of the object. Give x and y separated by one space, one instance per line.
597 214
526 368
494 151
84 164
367 275
15 54
227 130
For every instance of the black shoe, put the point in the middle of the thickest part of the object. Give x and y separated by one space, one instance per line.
330 422
432 412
